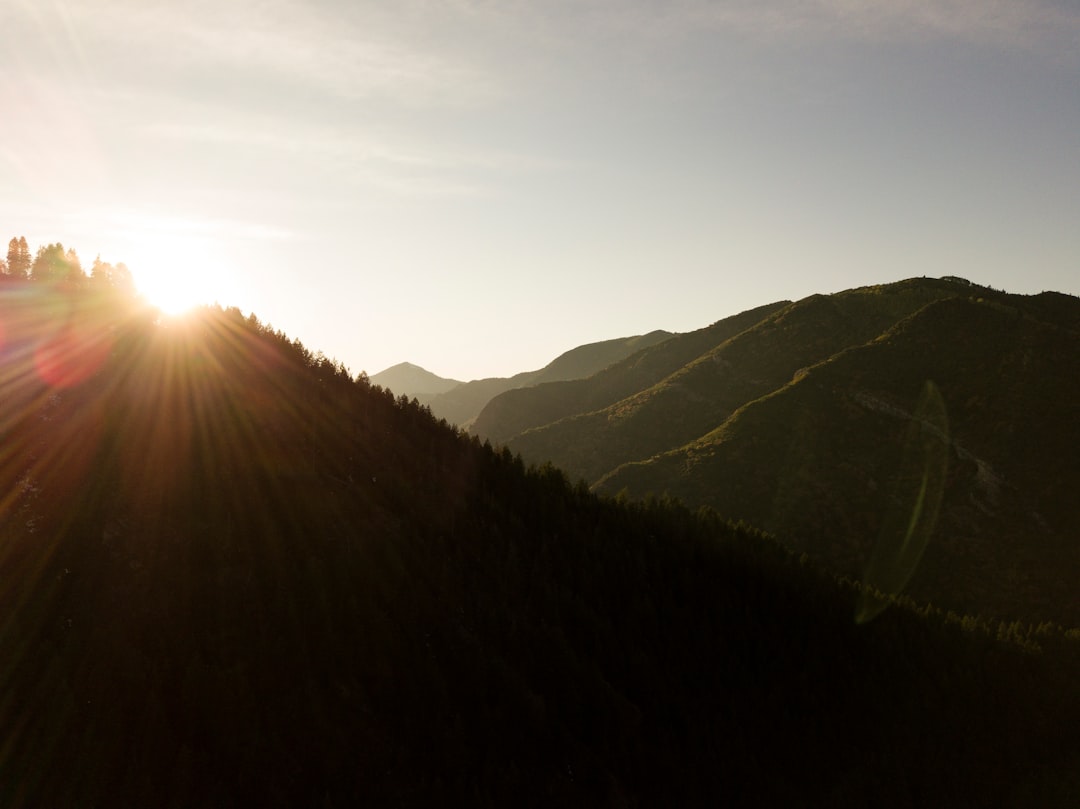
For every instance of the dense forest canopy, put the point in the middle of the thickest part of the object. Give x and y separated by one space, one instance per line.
231 574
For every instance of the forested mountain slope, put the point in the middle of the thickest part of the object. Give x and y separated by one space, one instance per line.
462 404
818 460
699 395
516 411
797 424
231 575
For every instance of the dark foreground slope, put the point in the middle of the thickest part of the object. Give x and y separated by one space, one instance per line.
231 575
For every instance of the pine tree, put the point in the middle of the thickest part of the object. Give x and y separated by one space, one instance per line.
18 258
54 263
118 277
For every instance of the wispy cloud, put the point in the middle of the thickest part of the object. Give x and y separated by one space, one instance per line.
350 51
247 75
405 163
175 225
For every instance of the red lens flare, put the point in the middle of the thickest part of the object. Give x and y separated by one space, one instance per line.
71 355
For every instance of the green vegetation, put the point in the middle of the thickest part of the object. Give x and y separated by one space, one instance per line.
519 410
732 368
796 424
233 575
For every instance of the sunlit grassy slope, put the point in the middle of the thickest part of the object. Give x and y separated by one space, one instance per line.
516 411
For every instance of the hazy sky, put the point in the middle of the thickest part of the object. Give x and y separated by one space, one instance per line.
477 186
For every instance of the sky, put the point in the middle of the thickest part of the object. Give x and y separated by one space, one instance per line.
476 186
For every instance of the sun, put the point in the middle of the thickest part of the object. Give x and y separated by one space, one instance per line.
172 296
176 279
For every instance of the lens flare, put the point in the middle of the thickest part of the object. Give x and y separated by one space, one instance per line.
71 355
910 521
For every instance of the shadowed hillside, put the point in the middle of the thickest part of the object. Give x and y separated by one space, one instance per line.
516 411
797 424
815 461
232 575
461 404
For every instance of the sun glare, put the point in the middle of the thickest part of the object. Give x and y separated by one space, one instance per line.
177 280
170 297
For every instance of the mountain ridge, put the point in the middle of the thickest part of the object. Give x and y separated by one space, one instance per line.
463 403
803 470
514 411
998 487
411 380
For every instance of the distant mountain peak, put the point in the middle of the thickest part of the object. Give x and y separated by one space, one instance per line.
411 380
